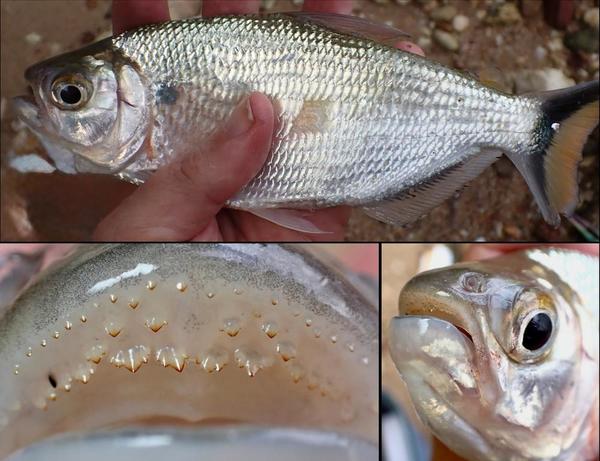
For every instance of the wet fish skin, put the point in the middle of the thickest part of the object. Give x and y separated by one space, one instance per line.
360 123
458 344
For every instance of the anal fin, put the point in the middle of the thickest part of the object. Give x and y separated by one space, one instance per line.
410 204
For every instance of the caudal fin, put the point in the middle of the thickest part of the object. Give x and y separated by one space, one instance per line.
567 118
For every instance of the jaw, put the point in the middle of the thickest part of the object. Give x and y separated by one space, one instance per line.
435 346
239 342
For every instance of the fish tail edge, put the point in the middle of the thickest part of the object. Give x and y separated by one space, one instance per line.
567 118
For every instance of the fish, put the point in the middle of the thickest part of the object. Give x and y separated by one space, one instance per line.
359 122
189 336
500 356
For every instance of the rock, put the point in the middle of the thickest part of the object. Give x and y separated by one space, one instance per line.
444 13
33 38
513 232
555 44
540 53
446 40
480 14
527 81
585 40
402 2
592 18
381 2
460 23
424 42
505 13
531 8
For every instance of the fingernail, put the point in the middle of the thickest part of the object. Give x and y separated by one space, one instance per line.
241 120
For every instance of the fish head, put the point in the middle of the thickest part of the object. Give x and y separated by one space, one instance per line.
87 107
492 353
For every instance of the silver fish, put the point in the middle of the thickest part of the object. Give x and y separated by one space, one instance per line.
360 122
189 335
501 356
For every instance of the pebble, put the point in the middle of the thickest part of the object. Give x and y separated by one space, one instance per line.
585 40
33 38
480 14
555 44
381 2
592 17
540 53
513 231
402 2
527 81
445 13
446 40
424 42
506 13
460 23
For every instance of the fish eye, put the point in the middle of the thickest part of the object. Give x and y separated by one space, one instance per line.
534 325
70 92
538 331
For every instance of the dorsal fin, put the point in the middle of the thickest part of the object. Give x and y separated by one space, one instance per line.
353 25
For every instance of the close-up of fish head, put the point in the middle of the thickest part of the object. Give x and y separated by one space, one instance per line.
190 337
87 108
501 359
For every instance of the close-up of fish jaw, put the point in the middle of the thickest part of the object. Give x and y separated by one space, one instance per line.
436 361
149 334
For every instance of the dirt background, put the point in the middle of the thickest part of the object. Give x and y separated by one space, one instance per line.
499 42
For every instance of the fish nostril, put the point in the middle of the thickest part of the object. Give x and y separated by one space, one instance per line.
52 380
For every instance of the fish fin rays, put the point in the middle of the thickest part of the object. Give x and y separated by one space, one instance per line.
410 204
290 219
353 25
550 168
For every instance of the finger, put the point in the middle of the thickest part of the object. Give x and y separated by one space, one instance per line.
410 48
485 251
328 6
181 199
212 8
127 14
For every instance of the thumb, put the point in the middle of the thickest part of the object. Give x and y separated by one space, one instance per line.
182 198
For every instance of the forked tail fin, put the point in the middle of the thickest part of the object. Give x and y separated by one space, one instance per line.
567 118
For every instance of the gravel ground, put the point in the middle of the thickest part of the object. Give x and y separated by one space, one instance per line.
502 41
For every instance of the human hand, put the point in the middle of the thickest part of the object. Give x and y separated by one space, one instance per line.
185 199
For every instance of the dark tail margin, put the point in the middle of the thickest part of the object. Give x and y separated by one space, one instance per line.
567 118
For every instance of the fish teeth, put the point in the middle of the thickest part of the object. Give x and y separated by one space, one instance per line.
168 357
132 358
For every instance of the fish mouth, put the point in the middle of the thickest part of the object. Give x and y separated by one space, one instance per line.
431 295
186 335
27 110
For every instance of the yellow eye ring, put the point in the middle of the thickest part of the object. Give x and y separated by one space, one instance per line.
70 92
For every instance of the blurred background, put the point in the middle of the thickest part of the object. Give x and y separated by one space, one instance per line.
520 45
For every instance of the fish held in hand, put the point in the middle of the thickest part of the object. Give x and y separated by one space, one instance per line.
500 357
360 122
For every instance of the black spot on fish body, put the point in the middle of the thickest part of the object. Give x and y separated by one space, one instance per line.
166 94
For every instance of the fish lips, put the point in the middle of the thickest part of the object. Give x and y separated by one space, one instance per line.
27 111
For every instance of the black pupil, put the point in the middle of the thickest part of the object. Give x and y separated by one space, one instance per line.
70 94
537 332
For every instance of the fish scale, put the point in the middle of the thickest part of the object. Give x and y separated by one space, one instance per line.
317 167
